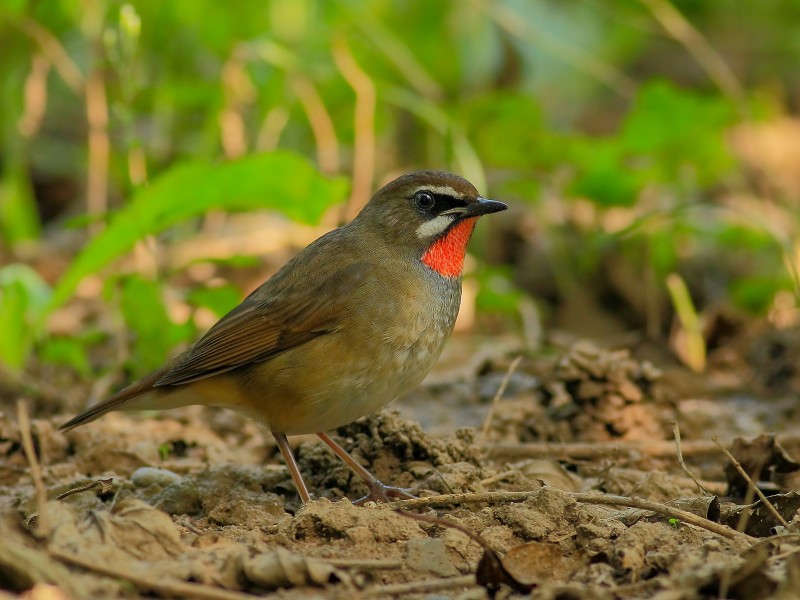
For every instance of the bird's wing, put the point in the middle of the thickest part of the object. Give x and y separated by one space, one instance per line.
265 325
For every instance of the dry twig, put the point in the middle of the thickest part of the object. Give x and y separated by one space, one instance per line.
321 124
589 498
487 423
676 430
103 484
364 564
30 453
738 466
595 450
182 589
364 125
420 587
777 539
99 146
55 52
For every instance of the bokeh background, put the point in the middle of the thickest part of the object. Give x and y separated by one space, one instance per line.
159 159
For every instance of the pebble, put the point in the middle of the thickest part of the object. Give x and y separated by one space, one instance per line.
147 476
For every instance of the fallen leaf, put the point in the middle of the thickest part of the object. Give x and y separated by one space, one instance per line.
283 569
535 561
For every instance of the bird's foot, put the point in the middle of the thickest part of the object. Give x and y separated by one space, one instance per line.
380 492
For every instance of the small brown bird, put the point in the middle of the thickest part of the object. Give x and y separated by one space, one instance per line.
352 322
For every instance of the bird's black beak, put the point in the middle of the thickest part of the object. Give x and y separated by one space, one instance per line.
481 206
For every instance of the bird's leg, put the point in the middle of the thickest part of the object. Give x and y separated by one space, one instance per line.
288 458
378 491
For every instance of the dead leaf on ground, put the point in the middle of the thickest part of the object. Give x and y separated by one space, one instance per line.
534 561
284 569
763 459
758 520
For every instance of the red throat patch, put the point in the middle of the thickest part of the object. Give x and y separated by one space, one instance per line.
446 255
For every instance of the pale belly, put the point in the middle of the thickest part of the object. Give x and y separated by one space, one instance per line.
339 376
332 381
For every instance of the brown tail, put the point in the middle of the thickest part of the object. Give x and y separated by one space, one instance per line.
120 400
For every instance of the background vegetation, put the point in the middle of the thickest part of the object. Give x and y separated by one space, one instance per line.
648 149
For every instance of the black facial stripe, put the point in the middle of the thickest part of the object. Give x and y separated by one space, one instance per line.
445 202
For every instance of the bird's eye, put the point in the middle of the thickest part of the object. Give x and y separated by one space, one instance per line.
424 200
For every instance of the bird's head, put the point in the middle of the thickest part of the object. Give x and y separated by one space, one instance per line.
429 213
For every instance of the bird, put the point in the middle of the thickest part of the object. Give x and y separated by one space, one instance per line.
349 324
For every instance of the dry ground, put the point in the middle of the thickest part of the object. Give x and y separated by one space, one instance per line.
566 487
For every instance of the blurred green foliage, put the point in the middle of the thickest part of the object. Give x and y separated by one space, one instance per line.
670 137
278 181
23 295
206 106
144 311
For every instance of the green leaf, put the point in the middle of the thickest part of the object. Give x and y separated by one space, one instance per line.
66 351
12 7
23 298
19 220
675 128
164 451
497 293
756 294
220 300
516 137
277 181
153 333
601 175
670 136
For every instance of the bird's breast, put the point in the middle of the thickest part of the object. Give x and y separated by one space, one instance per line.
380 350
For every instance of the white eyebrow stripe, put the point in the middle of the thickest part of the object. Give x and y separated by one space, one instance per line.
435 226
445 190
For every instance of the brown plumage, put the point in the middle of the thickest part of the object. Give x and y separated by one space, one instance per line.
353 321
